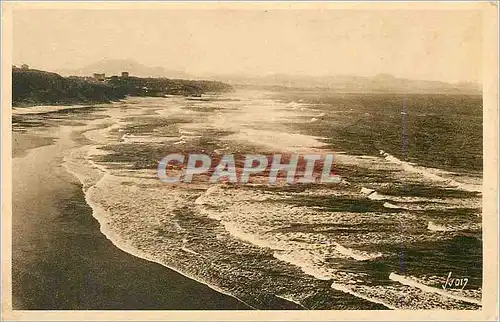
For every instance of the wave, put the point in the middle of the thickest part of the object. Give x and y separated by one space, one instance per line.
410 282
130 138
349 290
391 206
43 109
290 299
435 227
356 254
374 195
448 228
308 262
430 174
188 250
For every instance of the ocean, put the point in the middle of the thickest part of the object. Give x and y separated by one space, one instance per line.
403 223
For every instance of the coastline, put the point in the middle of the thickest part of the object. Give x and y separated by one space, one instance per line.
69 130
130 250
62 261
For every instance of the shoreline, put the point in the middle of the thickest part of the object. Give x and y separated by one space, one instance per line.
42 109
97 211
62 260
136 253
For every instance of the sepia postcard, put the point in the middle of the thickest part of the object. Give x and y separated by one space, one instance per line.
249 161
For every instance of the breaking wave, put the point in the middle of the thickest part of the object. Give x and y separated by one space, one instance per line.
431 174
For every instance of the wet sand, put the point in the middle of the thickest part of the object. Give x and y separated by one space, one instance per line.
61 260
22 143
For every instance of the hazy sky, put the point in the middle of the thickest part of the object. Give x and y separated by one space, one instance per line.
435 45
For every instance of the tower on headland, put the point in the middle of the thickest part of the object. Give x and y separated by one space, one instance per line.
125 74
100 76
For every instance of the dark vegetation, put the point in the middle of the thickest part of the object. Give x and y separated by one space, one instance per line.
33 87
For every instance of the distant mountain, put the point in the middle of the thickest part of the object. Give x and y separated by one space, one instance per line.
117 66
348 83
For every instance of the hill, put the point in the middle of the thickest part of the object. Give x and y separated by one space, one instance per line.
32 87
381 83
116 66
36 87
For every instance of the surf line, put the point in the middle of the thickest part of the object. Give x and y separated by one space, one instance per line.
99 214
408 282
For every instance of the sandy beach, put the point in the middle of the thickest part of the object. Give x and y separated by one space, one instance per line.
62 261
